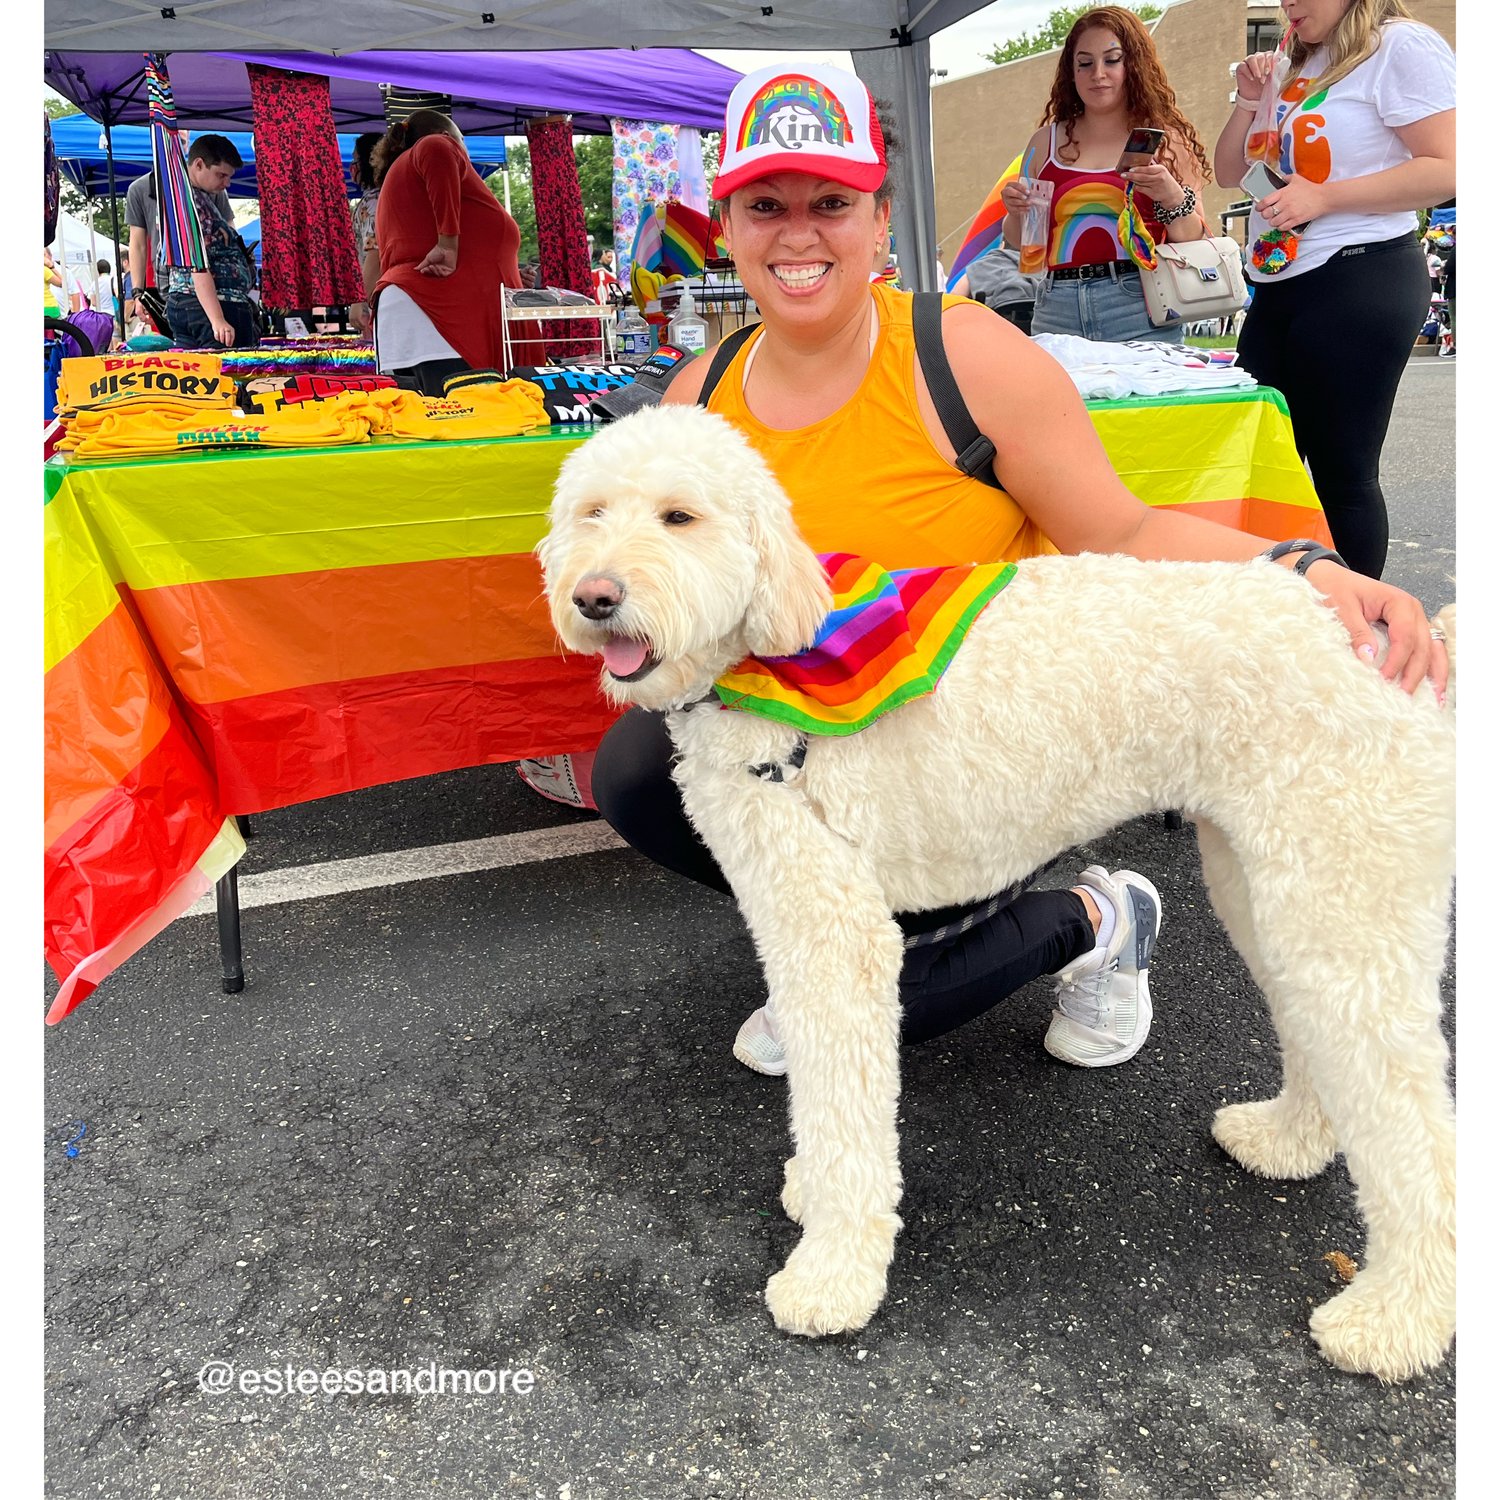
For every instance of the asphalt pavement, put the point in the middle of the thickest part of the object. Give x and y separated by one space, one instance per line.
490 1122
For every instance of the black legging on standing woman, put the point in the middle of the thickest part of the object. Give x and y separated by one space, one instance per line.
943 984
1334 342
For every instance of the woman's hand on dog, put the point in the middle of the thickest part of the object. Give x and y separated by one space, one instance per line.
1358 600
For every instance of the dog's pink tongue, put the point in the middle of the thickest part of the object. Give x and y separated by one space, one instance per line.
623 656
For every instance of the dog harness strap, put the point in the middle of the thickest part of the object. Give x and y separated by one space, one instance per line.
976 453
722 357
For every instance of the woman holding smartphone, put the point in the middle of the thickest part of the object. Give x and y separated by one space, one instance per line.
1364 133
1110 93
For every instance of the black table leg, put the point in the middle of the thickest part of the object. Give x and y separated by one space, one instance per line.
228 893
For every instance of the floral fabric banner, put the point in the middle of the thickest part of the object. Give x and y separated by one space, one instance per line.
645 175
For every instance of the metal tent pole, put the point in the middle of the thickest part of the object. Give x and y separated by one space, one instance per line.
114 216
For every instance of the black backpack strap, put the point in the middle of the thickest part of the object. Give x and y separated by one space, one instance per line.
722 356
976 453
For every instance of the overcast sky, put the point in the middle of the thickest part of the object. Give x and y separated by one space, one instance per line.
960 49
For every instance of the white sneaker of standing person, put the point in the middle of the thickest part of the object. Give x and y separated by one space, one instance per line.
1103 1010
1104 999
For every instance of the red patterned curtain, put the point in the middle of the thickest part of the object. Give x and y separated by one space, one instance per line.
562 239
307 235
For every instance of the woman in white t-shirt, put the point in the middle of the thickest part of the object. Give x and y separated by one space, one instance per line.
1367 130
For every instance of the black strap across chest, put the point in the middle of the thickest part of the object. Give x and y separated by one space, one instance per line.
976 453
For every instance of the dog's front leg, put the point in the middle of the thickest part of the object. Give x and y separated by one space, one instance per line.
832 958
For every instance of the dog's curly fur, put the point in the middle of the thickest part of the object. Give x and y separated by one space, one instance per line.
1092 690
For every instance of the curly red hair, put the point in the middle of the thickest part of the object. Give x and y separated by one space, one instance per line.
1149 98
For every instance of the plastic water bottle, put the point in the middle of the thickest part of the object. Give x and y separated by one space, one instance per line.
687 330
633 332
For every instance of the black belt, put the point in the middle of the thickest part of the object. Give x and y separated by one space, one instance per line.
1114 269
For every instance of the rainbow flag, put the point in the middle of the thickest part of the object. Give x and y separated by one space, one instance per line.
232 632
987 230
888 639
688 240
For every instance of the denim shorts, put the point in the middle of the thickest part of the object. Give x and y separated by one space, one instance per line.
192 330
1106 308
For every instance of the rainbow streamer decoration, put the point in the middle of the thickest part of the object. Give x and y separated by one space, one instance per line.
181 233
887 640
1134 235
988 228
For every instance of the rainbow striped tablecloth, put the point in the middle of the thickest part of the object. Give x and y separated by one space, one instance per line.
233 632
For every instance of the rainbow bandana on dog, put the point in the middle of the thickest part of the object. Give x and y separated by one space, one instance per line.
887 640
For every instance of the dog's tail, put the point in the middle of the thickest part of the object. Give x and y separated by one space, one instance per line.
1446 620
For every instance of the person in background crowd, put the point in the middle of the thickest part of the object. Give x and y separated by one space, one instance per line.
997 281
1109 80
366 246
145 257
100 289
1449 347
447 249
1367 132
212 307
53 297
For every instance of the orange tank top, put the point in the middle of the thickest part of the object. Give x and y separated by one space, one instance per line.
867 478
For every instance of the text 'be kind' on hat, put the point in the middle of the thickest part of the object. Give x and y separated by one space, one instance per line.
811 119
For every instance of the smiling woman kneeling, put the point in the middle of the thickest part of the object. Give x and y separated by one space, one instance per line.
828 390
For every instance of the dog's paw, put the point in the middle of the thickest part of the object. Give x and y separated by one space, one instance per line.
830 1285
1275 1139
1376 1328
791 1191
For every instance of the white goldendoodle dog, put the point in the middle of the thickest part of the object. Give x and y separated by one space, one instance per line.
1323 796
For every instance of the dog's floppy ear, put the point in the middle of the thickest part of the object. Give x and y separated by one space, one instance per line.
791 594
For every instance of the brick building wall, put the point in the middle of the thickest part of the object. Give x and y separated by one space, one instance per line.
980 122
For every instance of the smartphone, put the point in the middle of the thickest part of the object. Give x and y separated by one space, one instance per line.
1141 148
1260 180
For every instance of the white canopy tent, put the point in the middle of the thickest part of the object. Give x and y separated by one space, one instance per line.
888 38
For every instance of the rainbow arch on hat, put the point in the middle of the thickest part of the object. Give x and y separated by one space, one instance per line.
808 93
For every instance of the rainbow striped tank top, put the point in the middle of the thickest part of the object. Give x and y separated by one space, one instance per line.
1086 209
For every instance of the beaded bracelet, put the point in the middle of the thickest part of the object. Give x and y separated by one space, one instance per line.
1171 215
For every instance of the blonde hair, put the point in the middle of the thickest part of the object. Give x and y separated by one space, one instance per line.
1352 41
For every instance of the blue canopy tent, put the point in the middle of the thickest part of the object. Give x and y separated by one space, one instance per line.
79 143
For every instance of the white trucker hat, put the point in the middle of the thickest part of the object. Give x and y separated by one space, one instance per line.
813 119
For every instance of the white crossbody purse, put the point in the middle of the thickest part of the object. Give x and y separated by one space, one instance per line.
1194 279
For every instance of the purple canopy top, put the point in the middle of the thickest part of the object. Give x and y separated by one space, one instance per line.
493 93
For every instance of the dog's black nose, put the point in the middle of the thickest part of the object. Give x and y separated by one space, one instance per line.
599 597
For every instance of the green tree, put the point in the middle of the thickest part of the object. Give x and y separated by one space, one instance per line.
57 107
595 155
1053 32
517 170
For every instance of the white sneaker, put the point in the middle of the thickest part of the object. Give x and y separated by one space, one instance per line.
1103 1010
758 1046
552 777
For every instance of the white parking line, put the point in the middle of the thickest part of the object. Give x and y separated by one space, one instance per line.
309 882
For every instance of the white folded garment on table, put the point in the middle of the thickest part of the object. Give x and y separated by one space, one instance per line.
1139 368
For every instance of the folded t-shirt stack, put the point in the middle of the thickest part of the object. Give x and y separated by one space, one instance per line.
1139 368
150 405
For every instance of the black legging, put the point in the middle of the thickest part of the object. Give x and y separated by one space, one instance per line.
1334 342
942 984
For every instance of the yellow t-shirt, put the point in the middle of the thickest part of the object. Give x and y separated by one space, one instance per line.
867 478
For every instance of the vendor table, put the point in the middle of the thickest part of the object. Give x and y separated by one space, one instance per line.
232 632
